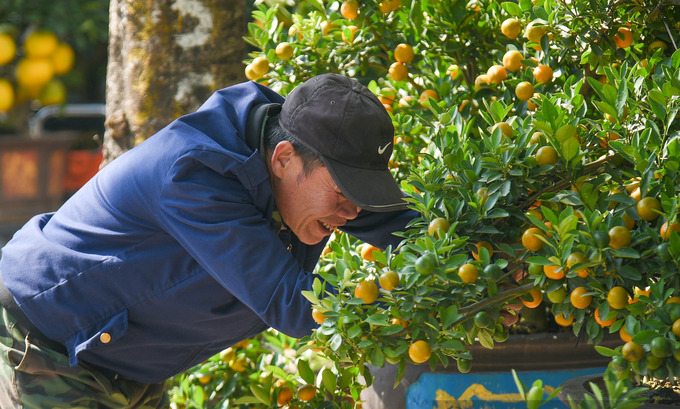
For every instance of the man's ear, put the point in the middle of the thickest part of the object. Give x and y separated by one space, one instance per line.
281 158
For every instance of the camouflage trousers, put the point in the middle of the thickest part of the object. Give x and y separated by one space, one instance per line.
34 376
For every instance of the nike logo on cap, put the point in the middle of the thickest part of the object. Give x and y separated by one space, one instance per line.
382 149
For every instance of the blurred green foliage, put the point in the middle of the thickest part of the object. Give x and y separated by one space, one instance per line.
82 23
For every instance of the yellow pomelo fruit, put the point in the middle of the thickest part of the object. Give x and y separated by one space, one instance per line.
251 74
63 59
40 43
624 37
453 71
404 53
348 34
481 81
524 90
34 72
511 28
497 74
534 33
260 65
512 60
398 71
657 44
543 74
8 48
53 93
284 50
350 9
6 95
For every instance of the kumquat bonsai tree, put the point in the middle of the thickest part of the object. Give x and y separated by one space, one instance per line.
539 142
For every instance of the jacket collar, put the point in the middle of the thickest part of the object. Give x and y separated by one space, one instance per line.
257 119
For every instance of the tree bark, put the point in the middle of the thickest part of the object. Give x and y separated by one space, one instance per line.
165 58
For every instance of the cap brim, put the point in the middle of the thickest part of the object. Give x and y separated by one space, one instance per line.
374 190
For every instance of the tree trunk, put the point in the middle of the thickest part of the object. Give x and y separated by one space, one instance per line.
165 58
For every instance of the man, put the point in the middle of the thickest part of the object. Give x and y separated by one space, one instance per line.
202 236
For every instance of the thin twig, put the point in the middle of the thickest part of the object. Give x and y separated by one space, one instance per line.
590 167
670 35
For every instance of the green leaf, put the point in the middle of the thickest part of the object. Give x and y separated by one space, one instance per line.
565 132
567 225
277 371
247 400
123 400
550 112
658 109
486 339
590 195
391 329
305 371
521 388
378 319
354 331
511 8
675 59
673 147
606 108
380 257
626 252
586 57
377 357
621 98
309 295
317 287
452 344
541 13
499 111
544 261
645 336
341 269
368 377
596 391
570 149
318 4
401 370
605 351
260 393
542 126
497 213
597 86
336 342
449 315
610 93
329 380
491 200
658 97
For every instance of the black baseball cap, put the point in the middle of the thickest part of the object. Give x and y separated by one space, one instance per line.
346 125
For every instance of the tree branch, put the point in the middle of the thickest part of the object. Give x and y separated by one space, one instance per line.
491 302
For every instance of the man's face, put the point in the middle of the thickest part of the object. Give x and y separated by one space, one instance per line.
311 205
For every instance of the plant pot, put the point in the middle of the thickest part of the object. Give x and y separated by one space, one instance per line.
81 165
578 387
32 174
553 358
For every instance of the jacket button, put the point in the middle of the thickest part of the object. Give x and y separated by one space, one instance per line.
105 337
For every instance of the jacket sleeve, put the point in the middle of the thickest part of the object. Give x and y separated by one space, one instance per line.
217 215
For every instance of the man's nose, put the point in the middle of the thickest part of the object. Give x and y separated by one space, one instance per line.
348 210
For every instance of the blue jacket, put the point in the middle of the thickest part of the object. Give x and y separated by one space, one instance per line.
167 256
